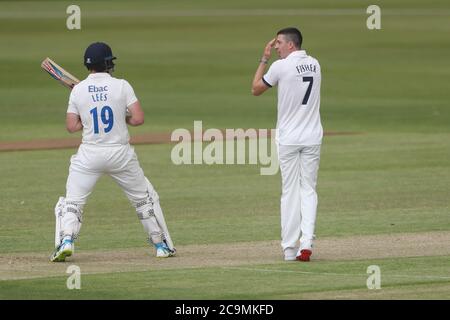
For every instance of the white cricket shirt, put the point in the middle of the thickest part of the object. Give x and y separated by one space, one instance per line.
298 78
101 102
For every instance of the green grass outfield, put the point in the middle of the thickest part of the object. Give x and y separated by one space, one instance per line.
195 61
276 281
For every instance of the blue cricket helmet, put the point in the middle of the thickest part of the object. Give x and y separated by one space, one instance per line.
99 56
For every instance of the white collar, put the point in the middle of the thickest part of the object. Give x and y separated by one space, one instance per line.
99 75
297 53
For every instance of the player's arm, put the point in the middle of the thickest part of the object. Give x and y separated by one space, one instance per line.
73 122
258 85
136 117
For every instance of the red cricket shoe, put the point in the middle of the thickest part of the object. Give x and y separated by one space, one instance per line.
304 255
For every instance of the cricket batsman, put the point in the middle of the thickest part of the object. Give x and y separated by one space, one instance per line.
299 136
98 105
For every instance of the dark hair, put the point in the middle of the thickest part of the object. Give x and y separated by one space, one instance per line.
292 34
101 67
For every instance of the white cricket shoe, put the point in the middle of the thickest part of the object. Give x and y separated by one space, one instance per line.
64 250
163 251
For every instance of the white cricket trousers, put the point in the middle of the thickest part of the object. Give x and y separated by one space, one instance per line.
299 166
93 161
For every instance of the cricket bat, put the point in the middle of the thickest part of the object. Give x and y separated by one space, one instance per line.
59 74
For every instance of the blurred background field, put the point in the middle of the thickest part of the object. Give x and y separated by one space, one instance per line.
194 60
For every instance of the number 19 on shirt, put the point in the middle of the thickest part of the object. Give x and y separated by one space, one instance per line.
107 117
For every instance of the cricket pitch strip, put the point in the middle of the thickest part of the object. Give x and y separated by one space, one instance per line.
15 266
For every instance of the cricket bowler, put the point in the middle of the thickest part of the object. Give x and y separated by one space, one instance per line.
299 136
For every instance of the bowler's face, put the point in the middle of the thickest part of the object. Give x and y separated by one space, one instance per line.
282 46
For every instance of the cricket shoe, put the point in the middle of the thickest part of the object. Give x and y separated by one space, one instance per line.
304 255
64 250
290 254
163 251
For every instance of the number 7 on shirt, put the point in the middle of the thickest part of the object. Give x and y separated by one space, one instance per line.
308 90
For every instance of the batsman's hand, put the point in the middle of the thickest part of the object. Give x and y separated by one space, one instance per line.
268 49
